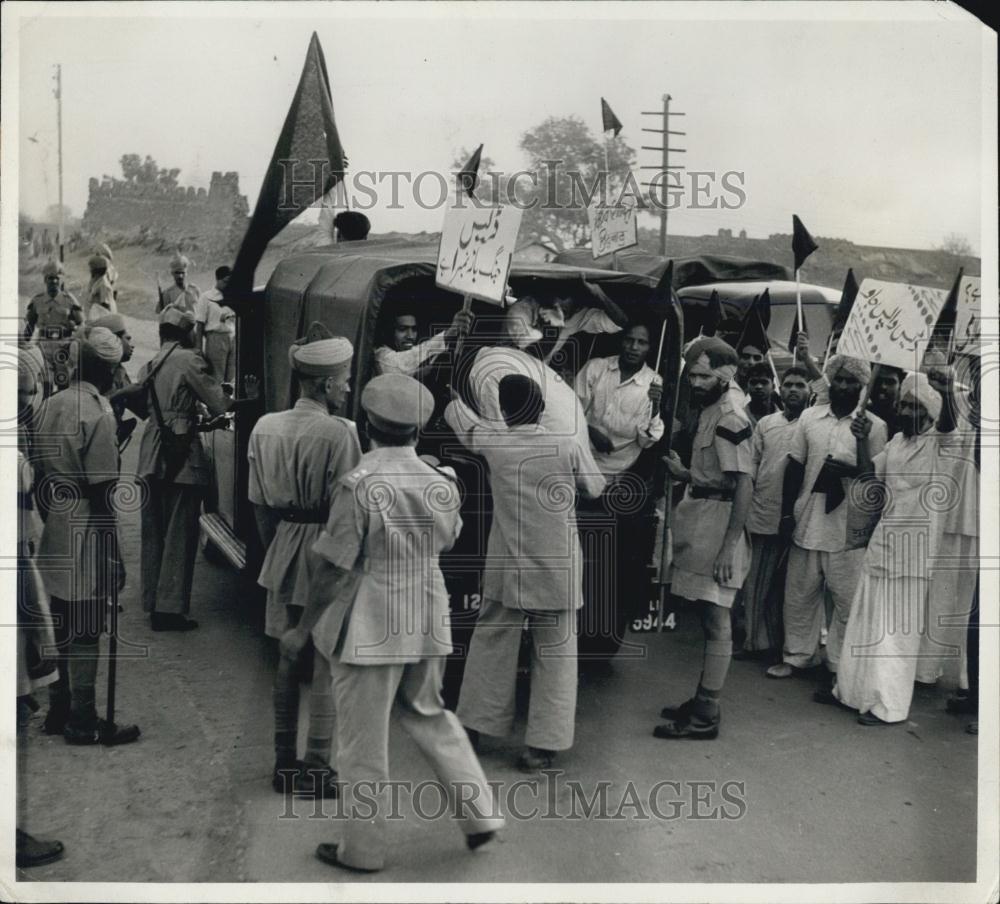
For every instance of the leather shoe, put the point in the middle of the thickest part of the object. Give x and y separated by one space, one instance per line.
478 839
690 729
171 621
104 732
315 782
678 713
871 719
534 759
35 852
328 854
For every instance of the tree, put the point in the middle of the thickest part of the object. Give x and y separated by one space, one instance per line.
957 244
138 171
568 161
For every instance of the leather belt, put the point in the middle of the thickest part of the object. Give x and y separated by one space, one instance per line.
304 516
711 493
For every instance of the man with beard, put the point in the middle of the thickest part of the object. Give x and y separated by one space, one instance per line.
760 389
296 458
181 294
824 460
99 299
888 621
404 354
884 399
711 552
763 594
120 380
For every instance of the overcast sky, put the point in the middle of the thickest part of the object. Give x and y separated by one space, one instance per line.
868 130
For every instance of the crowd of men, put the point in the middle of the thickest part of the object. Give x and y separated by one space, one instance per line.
765 543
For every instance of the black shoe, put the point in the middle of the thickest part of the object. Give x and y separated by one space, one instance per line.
35 852
534 759
101 732
694 729
678 713
328 854
315 782
871 719
825 695
171 621
284 776
478 839
55 720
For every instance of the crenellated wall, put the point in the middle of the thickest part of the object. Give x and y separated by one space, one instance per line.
214 219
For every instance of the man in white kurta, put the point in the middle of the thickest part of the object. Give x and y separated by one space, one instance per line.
296 458
830 445
533 571
404 355
380 611
888 618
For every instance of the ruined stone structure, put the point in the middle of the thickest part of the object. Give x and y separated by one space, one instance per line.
213 220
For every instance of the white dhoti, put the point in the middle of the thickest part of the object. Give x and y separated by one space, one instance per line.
882 646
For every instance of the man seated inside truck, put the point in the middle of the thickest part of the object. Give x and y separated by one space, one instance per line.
401 353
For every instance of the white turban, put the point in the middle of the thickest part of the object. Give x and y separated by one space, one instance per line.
917 387
860 370
321 357
105 344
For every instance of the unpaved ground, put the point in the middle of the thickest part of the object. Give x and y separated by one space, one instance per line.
824 799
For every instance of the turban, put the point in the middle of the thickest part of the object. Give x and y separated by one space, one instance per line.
520 324
319 353
860 370
113 322
179 262
397 403
102 249
105 344
97 262
174 316
719 357
52 268
917 387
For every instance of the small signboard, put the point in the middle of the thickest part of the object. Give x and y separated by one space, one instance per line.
477 245
612 228
891 323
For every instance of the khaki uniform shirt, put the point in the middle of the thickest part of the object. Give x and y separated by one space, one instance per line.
721 445
390 520
182 382
297 458
54 318
76 448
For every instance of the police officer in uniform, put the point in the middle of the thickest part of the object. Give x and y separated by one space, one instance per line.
712 551
181 294
55 314
385 624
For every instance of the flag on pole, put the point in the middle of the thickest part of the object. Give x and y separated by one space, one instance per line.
794 336
847 296
802 243
713 316
610 122
468 178
943 334
754 330
294 179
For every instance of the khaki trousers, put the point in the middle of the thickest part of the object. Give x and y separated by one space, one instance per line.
170 534
365 697
487 699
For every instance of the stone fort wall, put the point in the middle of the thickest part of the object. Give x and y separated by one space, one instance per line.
213 219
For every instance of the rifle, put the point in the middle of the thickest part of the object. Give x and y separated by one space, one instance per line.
159 293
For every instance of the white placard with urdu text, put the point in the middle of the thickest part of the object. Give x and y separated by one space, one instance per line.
477 246
967 318
612 228
891 323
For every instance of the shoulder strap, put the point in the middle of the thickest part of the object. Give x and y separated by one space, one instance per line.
149 384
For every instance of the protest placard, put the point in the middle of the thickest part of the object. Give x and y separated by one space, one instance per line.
967 317
611 227
891 323
477 245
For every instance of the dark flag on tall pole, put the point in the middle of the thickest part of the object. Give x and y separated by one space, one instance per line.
847 296
308 161
610 122
942 337
713 316
802 243
754 330
468 177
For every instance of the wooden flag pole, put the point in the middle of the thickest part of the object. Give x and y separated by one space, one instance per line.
466 307
866 393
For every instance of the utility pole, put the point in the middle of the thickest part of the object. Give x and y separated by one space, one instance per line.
664 167
58 93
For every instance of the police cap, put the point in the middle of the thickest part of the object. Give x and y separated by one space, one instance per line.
397 404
